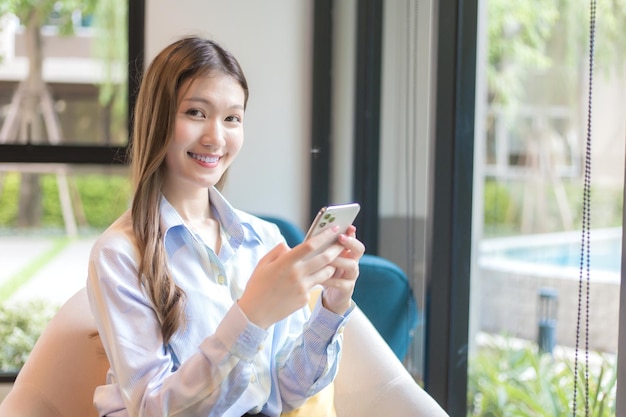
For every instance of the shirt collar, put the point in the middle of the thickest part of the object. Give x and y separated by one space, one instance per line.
237 231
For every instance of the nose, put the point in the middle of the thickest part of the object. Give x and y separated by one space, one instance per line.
213 133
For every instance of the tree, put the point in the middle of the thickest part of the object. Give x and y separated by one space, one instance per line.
526 40
524 35
111 20
31 117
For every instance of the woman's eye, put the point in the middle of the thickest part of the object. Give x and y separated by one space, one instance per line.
233 119
194 113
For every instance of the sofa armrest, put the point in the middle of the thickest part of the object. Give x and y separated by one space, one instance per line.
372 381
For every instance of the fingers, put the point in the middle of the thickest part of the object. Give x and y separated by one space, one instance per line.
351 231
281 281
278 286
320 244
354 247
319 241
347 264
344 262
346 268
321 276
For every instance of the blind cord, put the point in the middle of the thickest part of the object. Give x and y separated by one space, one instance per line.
585 250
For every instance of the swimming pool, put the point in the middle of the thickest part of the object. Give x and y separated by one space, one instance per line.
556 253
511 272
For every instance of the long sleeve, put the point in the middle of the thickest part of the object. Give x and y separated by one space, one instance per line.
146 375
218 363
310 362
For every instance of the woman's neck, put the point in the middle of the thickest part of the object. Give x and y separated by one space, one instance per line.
195 210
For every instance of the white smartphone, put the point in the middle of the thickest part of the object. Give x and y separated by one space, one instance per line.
342 215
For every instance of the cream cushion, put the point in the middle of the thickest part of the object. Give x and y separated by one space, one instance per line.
68 362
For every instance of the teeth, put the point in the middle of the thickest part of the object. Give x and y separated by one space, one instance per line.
207 159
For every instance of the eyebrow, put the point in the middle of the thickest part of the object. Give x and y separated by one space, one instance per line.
209 103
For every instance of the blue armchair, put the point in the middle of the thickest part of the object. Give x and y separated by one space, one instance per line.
385 296
382 292
292 233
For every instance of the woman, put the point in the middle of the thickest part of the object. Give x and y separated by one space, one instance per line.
202 308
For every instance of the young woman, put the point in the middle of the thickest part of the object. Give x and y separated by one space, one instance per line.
202 308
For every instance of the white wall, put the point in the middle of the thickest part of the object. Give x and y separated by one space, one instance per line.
272 39
406 107
343 100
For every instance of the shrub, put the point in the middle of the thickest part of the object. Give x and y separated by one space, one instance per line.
513 207
10 184
102 198
21 325
498 204
500 209
507 380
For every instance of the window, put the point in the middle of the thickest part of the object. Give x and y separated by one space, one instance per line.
530 140
63 134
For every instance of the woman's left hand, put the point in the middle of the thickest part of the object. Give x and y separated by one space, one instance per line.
339 288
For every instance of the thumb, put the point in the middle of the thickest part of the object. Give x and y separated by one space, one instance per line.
274 254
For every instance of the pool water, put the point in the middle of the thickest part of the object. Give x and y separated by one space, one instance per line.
604 255
561 250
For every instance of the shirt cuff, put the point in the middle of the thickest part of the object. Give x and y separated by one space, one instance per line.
239 335
329 325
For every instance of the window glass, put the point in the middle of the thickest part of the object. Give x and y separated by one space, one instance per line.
49 217
63 78
67 89
526 276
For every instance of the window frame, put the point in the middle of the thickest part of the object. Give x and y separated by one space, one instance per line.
450 222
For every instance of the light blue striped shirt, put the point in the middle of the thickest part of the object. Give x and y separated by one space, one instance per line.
219 364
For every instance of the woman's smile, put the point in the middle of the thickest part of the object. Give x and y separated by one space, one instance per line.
208 160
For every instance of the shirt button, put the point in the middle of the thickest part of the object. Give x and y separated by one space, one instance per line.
221 280
340 330
253 379
260 348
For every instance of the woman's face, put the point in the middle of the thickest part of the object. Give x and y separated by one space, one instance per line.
208 133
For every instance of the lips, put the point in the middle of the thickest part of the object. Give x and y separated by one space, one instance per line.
207 159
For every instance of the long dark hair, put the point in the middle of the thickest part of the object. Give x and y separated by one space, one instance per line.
154 115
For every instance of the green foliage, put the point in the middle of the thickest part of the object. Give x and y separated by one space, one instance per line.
39 12
504 200
610 34
52 213
524 35
20 327
518 33
111 48
102 198
111 42
499 207
9 189
508 380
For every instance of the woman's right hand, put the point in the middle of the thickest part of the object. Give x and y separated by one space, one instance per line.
283 279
